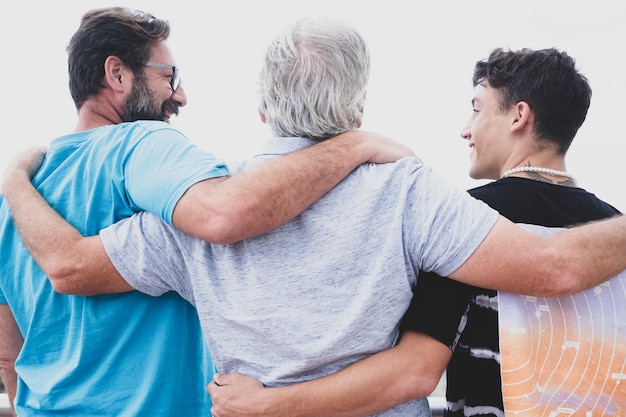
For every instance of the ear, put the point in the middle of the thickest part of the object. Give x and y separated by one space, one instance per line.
521 116
361 110
261 115
116 74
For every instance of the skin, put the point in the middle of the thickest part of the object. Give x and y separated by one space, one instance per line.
556 265
498 140
213 209
10 344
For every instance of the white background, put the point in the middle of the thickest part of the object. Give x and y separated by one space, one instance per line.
420 89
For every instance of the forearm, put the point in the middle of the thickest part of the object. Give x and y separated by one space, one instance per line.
270 194
561 264
74 264
10 344
284 187
408 371
47 236
9 379
371 386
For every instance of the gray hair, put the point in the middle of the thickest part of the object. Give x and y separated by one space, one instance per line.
314 79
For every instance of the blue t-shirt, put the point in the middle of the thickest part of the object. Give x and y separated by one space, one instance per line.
121 354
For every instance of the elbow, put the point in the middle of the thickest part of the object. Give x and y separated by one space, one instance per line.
417 385
66 280
224 227
64 287
561 278
426 386
217 216
57 276
565 284
551 289
61 285
217 231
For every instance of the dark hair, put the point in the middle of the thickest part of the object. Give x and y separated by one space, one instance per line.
548 81
115 31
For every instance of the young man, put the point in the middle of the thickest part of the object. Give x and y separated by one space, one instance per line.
528 106
113 355
275 291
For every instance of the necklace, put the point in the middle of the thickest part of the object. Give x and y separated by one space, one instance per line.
548 171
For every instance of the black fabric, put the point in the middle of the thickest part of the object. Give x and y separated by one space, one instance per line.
473 374
431 293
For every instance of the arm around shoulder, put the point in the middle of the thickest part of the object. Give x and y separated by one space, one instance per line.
515 260
73 263
226 210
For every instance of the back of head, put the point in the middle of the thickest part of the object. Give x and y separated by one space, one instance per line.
115 31
548 81
314 79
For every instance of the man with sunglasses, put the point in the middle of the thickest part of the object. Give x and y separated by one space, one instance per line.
131 354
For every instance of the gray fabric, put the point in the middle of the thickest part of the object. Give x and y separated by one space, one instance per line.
322 291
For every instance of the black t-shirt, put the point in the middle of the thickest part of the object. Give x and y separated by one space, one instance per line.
465 318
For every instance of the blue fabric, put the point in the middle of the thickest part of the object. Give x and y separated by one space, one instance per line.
122 354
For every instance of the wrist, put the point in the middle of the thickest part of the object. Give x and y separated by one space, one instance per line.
356 146
277 401
14 181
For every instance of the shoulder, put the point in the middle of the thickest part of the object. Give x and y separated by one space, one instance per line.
505 191
149 125
488 189
150 129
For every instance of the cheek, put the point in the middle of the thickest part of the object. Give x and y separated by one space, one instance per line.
164 95
485 129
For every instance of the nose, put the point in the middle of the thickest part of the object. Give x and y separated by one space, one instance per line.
466 131
179 96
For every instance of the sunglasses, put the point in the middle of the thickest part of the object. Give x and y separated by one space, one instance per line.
175 80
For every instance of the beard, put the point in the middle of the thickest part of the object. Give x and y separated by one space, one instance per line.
142 105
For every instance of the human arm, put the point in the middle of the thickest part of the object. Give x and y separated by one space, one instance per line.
225 210
509 258
217 209
405 372
74 264
515 260
11 341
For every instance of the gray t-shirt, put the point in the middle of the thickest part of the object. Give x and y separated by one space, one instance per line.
322 291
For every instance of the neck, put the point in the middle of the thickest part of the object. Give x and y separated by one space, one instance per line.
91 116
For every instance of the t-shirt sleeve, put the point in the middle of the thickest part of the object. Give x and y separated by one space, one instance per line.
444 224
438 307
162 167
148 254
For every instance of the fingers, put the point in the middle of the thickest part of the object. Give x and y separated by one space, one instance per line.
218 380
